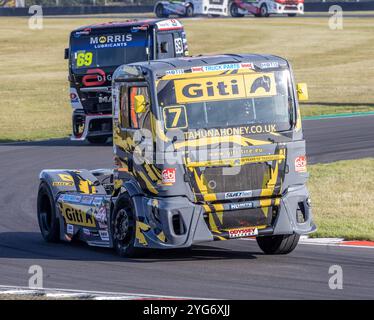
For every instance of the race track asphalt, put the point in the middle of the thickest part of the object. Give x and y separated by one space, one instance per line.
230 269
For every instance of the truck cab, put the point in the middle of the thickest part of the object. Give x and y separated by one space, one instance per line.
95 52
206 148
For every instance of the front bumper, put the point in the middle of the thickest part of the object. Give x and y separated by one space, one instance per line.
91 125
168 223
287 8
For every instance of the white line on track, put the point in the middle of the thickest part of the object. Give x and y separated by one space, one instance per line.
83 294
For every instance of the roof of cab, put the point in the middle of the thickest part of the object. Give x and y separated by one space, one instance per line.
126 23
198 61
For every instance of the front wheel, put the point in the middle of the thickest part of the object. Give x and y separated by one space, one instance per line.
282 244
189 12
234 11
124 229
47 219
264 12
160 11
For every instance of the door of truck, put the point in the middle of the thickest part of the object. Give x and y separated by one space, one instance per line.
169 45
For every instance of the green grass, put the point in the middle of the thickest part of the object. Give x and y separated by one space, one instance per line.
337 65
342 198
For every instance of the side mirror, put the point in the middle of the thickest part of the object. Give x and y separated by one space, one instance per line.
140 104
302 92
66 57
164 47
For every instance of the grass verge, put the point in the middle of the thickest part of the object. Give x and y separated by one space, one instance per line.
342 196
337 65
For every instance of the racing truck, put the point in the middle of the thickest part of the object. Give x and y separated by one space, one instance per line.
96 51
206 148
263 8
189 8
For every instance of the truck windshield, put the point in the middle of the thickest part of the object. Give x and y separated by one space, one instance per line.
107 50
248 100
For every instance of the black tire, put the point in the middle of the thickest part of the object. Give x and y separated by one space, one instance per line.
46 209
189 11
234 11
292 14
282 244
160 11
264 12
97 140
123 226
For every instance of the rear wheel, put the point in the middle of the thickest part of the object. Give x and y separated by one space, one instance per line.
97 140
234 11
264 12
189 11
160 11
282 244
46 208
124 229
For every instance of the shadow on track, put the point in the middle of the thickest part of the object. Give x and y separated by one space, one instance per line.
30 245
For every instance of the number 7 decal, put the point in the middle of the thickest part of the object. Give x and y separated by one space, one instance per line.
175 117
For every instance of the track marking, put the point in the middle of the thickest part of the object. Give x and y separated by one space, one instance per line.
88 295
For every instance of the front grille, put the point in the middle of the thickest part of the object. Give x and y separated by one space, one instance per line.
101 126
96 102
246 218
290 8
252 176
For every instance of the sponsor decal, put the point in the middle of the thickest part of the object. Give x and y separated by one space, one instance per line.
243 232
223 67
103 225
174 72
66 181
78 215
269 65
105 99
86 232
69 229
97 201
241 205
86 200
74 97
239 194
70 198
77 34
171 24
94 78
104 235
235 131
225 88
100 215
111 41
169 176
300 164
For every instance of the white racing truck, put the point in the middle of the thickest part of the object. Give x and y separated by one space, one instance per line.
190 8
264 8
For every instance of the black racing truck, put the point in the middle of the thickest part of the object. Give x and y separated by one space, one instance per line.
206 148
96 51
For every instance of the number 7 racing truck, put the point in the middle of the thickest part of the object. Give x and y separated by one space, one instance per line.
206 148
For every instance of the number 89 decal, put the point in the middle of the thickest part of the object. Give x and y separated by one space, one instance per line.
175 117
